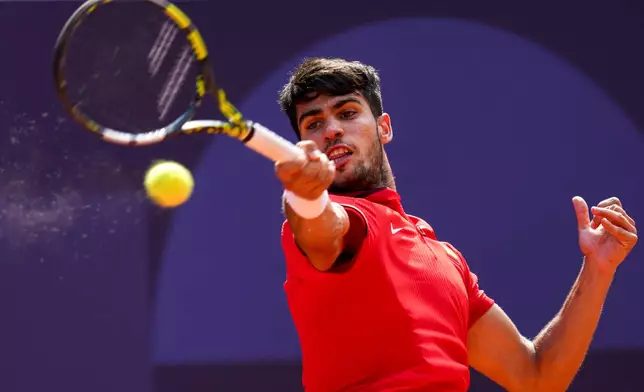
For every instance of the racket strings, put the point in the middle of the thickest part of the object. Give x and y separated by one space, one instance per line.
161 47
129 68
174 82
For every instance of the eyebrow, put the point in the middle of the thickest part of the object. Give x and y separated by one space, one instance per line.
337 105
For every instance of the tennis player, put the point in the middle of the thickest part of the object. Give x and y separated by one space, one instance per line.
379 302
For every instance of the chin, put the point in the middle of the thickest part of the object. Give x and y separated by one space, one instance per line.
340 170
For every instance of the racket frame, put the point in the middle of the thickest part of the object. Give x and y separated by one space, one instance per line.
235 125
252 134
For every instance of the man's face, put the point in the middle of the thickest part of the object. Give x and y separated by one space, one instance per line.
344 128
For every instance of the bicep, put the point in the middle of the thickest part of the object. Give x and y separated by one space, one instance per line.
497 349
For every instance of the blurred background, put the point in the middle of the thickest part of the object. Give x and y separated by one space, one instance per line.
502 112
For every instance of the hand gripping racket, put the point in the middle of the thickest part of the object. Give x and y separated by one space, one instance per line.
135 73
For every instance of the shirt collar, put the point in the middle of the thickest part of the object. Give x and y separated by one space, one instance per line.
383 196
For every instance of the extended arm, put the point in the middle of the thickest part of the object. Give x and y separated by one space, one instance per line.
323 230
550 361
320 238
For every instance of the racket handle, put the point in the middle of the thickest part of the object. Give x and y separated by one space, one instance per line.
271 145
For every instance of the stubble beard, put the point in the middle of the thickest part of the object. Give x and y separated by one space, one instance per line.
363 176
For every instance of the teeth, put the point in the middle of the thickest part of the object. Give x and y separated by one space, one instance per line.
338 152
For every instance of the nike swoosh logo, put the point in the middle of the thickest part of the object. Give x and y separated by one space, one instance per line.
394 231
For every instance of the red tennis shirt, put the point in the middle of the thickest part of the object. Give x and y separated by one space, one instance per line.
397 320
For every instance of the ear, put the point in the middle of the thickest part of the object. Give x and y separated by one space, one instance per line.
385 131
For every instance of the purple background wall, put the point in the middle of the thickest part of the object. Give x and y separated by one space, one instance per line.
497 109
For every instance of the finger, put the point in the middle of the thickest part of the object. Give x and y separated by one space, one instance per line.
311 184
300 158
314 155
581 210
329 175
621 210
288 171
317 176
296 164
615 218
314 173
311 149
323 184
623 236
317 155
609 201
321 161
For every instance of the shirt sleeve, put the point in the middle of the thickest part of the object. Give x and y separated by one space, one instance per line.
479 301
296 260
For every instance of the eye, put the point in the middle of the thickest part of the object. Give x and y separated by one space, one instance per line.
347 114
313 124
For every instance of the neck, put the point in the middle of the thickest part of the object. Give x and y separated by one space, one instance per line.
387 175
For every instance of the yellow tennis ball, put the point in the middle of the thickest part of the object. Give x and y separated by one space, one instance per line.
168 184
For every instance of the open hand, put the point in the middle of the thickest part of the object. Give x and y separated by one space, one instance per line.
609 238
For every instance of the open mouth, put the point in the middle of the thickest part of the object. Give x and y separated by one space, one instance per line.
339 155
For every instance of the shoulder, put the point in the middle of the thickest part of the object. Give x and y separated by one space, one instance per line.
364 210
452 253
423 226
367 209
365 218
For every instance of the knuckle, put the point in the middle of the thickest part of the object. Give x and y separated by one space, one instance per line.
282 165
281 172
285 178
313 170
609 202
307 145
615 201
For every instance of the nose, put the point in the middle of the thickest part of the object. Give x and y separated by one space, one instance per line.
333 131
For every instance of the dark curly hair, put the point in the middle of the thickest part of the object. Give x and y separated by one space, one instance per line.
329 76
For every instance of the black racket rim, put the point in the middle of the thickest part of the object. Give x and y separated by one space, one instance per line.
205 83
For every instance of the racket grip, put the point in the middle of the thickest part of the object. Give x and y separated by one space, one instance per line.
271 145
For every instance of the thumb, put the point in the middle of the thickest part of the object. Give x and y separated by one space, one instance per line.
581 209
311 149
286 170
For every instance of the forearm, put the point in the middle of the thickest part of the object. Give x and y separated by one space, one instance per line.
563 343
320 238
329 225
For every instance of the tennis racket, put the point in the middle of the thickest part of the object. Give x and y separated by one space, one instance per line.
135 72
